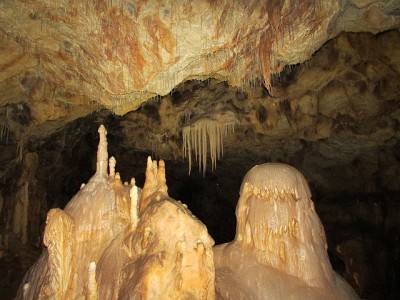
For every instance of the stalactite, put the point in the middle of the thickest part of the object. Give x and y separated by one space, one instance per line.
20 149
20 220
1 209
17 215
4 132
5 128
203 136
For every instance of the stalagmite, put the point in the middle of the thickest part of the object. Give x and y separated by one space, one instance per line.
111 165
92 288
58 238
100 211
116 241
134 212
102 247
102 154
279 251
155 185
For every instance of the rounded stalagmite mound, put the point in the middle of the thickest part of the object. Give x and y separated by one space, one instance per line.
280 248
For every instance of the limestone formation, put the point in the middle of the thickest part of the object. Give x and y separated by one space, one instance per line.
24 210
119 241
280 250
115 241
117 54
312 83
206 136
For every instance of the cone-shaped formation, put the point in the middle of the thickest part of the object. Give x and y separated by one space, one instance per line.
167 252
92 288
111 164
117 241
102 152
101 247
206 135
134 212
155 185
168 256
76 236
280 248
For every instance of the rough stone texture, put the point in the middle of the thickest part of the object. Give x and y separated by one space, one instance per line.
67 55
332 111
279 251
104 245
107 244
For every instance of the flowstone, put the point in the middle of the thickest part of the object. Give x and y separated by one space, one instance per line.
280 249
118 241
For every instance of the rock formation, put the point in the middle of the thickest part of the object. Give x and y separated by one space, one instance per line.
280 249
104 245
206 136
314 84
71 56
115 241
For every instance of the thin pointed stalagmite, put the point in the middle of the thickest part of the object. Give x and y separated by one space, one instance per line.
111 163
134 208
102 152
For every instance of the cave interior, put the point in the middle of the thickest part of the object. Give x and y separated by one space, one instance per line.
326 103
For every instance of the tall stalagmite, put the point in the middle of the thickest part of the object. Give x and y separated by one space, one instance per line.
106 245
280 250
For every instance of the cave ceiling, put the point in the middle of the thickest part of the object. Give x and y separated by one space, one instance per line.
290 72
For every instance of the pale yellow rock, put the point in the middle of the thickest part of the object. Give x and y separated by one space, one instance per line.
205 136
59 240
168 256
101 247
279 251
152 46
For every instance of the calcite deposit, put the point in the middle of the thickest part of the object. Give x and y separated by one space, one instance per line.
118 241
117 54
280 249
313 83
206 136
